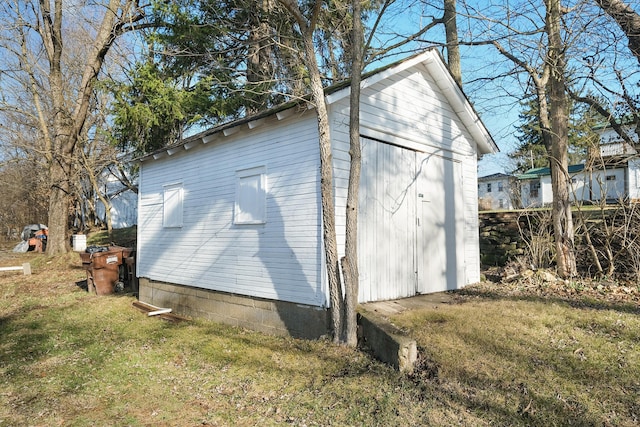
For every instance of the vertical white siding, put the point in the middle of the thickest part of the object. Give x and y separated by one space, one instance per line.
470 218
411 115
279 259
492 199
387 230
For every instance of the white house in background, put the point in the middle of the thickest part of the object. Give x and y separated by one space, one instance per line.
124 202
616 177
612 145
611 183
230 222
495 192
621 155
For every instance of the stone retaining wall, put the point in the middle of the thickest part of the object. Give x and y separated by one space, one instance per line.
500 238
501 235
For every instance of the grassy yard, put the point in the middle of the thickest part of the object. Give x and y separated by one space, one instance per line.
74 359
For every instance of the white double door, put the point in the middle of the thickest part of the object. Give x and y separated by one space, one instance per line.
411 223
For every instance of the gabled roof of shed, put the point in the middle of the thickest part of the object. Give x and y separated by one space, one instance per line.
432 60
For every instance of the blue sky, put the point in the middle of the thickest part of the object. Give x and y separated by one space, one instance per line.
499 113
498 100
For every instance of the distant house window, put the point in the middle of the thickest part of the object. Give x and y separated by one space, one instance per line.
534 188
488 187
500 186
172 206
501 203
611 177
251 196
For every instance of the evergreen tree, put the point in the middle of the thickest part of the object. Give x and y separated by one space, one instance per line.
531 151
212 61
207 62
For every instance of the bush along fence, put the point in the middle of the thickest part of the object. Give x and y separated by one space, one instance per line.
607 239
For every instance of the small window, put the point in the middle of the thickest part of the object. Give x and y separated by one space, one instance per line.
611 177
251 196
172 206
534 188
488 187
500 186
501 203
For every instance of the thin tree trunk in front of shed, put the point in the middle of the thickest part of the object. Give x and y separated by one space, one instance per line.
307 27
328 203
350 260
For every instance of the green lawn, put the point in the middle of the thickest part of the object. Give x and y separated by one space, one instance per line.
74 359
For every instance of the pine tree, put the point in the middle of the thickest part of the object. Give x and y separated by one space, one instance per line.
531 151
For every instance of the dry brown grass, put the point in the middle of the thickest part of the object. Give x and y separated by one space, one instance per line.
75 359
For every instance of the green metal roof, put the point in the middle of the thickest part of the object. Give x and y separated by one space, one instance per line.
538 172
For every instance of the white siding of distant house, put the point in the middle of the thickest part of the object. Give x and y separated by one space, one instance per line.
530 197
610 136
496 198
544 195
546 190
608 184
124 204
585 186
616 149
580 189
278 259
634 179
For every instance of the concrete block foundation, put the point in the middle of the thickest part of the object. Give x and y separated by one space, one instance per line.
268 316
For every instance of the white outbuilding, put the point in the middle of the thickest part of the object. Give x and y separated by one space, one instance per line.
230 224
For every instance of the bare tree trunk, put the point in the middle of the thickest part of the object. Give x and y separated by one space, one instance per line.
453 47
68 125
259 56
559 141
58 241
350 260
627 19
63 141
551 95
307 27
